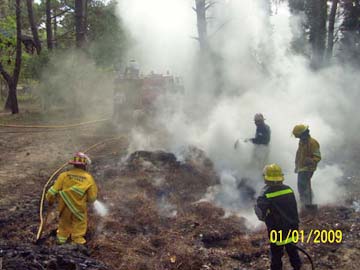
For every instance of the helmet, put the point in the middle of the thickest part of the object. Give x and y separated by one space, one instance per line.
80 159
259 117
273 172
299 129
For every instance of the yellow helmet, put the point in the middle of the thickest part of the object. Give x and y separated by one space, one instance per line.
300 129
273 172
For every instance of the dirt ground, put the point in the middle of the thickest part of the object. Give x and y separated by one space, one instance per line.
155 220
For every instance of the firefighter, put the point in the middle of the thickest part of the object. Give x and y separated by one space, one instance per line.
307 157
276 206
75 188
262 135
261 143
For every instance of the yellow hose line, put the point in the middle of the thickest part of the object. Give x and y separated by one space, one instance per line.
51 178
55 126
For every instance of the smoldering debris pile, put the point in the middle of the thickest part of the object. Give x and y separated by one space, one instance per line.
161 174
156 220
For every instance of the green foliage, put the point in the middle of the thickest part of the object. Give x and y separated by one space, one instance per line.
108 39
34 65
7 40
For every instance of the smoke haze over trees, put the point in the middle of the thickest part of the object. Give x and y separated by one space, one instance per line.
287 61
234 61
52 27
323 31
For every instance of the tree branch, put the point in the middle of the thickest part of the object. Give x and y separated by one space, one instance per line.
69 5
219 28
61 13
209 5
6 76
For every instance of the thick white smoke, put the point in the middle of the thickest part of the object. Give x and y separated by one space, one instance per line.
162 31
261 75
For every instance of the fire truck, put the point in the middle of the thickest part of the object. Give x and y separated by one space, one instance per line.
136 96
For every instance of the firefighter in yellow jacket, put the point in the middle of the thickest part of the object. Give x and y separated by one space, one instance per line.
307 157
74 189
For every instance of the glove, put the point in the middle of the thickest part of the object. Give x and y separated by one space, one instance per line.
308 161
50 202
50 199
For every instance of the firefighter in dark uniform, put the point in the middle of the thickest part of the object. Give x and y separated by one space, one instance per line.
261 143
263 133
276 206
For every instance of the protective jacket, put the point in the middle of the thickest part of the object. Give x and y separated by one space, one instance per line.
307 156
76 187
262 135
276 205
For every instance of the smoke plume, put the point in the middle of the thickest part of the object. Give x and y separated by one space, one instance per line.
260 73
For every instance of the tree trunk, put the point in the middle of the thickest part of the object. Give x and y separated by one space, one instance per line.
3 92
55 31
332 16
18 43
12 81
49 38
86 16
11 101
33 26
296 6
201 23
317 13
80 30
8 80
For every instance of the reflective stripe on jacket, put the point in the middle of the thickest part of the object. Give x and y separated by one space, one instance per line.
307 149
76 187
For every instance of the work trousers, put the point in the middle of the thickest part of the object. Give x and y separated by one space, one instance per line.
260 156
276 253
71 226
304 187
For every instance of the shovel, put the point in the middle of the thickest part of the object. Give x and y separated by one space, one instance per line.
311 207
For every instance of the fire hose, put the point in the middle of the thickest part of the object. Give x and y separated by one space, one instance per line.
306 254
41 208
54 126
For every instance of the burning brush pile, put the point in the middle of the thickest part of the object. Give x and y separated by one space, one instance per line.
155 219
